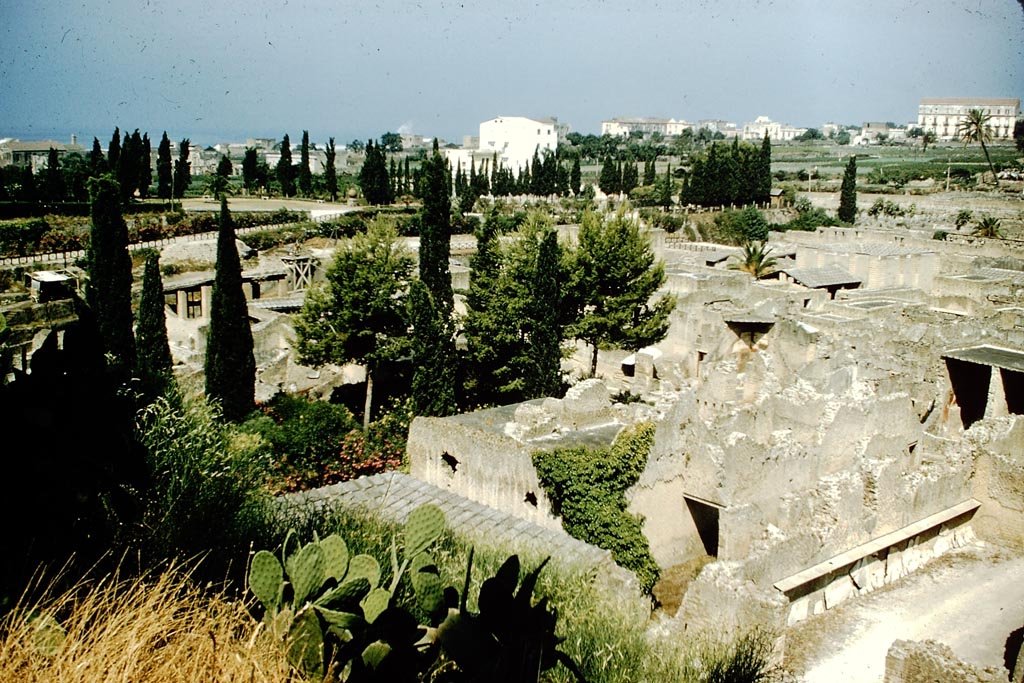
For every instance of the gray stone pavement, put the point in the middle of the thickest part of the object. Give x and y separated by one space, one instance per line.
395 494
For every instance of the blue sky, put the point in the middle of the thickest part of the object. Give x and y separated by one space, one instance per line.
224 71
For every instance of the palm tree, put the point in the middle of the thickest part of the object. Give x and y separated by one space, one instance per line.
756 260
927 138
988 226
974 128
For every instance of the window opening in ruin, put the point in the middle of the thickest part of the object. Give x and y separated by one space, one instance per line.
970 383
1013 388
171 301
194 303
705 518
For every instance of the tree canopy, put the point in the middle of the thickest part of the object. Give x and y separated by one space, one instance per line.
617 278
359 314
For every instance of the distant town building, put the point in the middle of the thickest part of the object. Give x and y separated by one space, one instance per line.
777 132
942 115
622 127
726 128
512 139
874 132
34 155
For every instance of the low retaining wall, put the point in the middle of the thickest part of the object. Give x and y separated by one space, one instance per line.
874 564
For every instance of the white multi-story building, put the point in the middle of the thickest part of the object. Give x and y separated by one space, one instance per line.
514 139
622 127
777 132
942 115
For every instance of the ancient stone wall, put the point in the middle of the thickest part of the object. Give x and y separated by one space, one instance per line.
929 661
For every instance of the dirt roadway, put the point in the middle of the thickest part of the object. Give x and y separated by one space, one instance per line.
971 600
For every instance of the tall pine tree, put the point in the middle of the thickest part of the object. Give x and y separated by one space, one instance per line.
182 170
153 362
435 272
230 365
163 168
330 172
97 162
764 171
305 175
114 150
145 167
285 171
575 177
109 290
848 192
433 357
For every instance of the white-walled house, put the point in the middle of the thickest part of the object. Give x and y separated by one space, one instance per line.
516 138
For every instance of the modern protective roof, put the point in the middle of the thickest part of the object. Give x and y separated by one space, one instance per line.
825 276
993 356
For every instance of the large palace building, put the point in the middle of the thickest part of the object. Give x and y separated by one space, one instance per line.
941 115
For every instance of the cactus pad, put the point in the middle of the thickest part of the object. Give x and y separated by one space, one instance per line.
374 603
375 653
306 572
348 593
335 557
429 590
365 566
343 620
424 526
306 645
265 580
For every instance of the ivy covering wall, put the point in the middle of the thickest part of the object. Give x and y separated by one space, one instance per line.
587 487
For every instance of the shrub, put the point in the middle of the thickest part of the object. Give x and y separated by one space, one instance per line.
306 438
884 207
587 488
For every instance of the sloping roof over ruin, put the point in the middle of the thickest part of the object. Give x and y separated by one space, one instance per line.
818 278
870 249
993 356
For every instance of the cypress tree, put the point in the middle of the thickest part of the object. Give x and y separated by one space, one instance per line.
435 232
127 167
305 176
114 150
97 162
153 362
109 290
230 366
546 334
650 177
330 172
163 168
434 270
145 167
433 357
182 171
250 169
480 327
575 177
608 181
53 180
285 171
848 192
764 170
373 176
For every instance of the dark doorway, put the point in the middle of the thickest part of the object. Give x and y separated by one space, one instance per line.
1013 389
705 518
970 382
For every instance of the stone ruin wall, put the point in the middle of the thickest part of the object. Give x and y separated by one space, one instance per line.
928 661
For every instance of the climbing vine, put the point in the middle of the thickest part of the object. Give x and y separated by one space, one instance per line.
587 487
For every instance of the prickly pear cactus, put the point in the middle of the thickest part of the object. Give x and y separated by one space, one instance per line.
374 603
422 529
266 580
364 566
306 572
335 557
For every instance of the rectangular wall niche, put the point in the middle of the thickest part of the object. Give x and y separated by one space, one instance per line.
705 518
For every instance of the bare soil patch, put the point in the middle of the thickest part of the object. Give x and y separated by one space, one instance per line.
671 587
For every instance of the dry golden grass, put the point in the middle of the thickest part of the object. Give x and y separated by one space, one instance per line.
154 629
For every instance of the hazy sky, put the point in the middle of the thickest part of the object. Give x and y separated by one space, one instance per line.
223 71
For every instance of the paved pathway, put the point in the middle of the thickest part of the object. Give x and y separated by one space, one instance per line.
971 600
395 495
